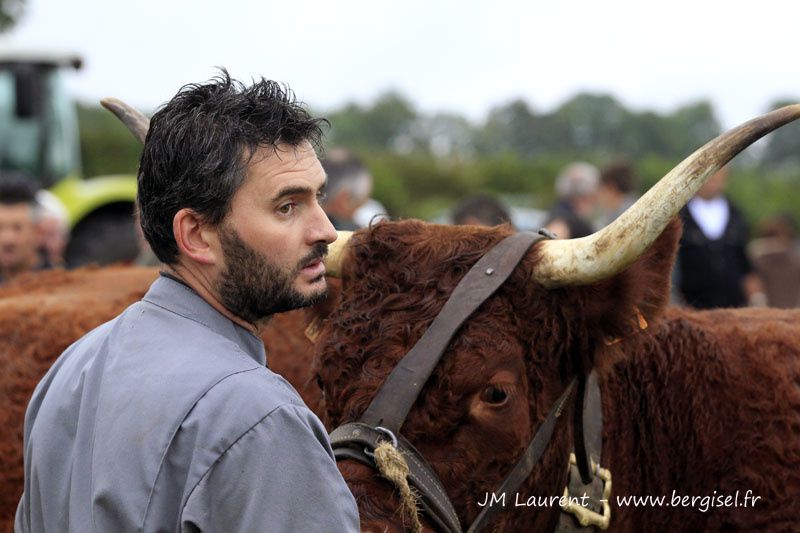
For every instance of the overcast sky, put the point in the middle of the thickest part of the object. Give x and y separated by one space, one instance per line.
445 55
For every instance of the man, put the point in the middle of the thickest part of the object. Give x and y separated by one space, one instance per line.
776 258
480 210
712 269
53 227
349 187
166 418
19 237
576 189
616 192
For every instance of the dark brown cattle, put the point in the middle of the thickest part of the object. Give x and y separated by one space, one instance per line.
41 314
695 403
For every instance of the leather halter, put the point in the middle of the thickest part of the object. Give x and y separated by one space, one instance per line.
389 408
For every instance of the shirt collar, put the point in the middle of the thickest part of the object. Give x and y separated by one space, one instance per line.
173 295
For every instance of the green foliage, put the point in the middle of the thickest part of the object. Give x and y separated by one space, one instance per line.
376 126
783 146
761 194
419 186
424 163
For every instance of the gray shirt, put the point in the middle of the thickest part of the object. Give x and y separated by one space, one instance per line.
167 419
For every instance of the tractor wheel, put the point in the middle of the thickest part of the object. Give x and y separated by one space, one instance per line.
103 238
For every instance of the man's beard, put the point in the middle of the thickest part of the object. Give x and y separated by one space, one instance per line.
253 288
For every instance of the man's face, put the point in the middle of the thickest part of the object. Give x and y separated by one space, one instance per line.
584 205
18 238
715 186
52 236
608 196
275 236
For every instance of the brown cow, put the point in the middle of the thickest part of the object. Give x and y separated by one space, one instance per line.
695 403
40 315
702 408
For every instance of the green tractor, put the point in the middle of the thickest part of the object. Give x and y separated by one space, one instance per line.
39 140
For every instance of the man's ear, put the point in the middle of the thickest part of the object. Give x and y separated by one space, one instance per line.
627 302
195 238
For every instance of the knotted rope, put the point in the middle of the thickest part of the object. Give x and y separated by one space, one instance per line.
393 467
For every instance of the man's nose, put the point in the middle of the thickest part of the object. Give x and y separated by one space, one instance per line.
323 230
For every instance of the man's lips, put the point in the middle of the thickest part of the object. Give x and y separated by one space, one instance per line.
314 268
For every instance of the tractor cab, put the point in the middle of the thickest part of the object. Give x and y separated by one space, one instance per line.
38 123
39 141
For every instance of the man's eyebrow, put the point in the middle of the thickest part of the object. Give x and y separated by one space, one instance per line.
297 190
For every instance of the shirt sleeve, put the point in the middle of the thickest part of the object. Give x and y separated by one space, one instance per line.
279 476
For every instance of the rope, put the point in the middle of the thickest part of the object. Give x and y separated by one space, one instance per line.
393 467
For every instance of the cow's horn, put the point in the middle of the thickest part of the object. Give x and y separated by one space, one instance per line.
132 118
138 124
615 247
335 258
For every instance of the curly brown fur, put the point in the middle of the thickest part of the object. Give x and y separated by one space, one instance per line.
40 315
709 401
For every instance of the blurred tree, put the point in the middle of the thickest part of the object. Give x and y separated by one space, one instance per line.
443 135
509 128
384 125
595 122
643 134
690 127
782 151
10 12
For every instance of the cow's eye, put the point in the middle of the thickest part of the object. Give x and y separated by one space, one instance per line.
494 395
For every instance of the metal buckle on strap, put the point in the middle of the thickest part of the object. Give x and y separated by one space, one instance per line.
587 517
386 432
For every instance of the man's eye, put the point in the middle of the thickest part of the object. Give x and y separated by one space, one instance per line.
287 209
322 196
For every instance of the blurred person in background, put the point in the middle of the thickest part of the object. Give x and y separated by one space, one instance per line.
776 257
19 235
576 190
372 211
53 225
481 210
349 187
713 269
616 193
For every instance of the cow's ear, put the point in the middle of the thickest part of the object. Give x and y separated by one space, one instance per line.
629 301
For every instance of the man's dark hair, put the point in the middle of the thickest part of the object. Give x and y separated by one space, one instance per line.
489 211
619 175
14 189
199 145
345 170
